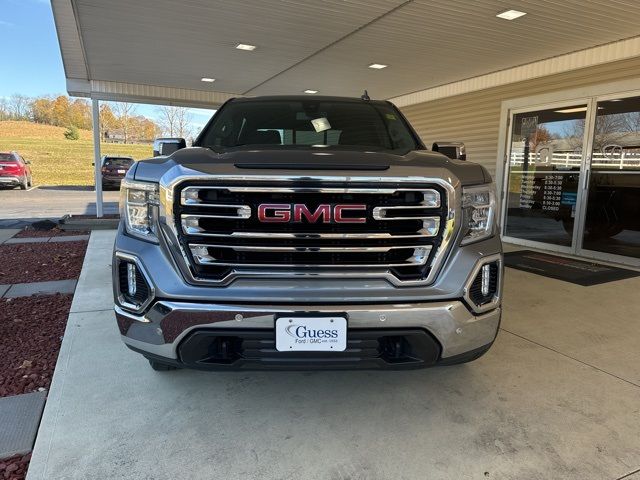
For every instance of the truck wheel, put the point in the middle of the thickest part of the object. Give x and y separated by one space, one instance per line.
161 367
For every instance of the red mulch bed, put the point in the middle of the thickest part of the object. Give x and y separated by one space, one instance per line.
40 262
30 232
15 468
31 330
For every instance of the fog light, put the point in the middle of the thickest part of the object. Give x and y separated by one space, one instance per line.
486 280
483 291
135 290
131 279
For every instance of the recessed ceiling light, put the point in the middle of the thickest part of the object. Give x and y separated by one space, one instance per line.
311 91
511 14
244 46
378 66
207 79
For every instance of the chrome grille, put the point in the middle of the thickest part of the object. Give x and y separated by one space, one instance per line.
221 235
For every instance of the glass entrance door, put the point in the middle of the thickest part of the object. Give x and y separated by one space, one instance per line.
545 165
612 218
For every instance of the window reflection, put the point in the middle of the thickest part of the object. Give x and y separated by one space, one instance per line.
544 170
613 208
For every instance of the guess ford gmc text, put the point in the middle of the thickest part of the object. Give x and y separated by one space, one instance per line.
307 232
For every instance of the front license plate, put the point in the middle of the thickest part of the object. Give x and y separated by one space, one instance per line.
311 334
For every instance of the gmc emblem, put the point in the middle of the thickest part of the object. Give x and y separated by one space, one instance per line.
285 213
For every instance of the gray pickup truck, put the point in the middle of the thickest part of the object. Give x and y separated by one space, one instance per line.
307 232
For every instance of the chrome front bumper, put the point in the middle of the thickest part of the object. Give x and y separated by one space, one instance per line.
161 329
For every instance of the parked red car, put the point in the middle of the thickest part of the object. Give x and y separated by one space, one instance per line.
14 171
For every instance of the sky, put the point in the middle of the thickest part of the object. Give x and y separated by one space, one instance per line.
30 56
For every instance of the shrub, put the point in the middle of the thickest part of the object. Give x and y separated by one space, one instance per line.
72 133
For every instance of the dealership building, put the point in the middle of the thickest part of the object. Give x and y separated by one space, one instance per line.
546 96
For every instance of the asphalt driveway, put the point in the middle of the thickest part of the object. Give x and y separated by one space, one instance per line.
51 202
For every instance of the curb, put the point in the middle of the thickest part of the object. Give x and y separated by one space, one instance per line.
69 222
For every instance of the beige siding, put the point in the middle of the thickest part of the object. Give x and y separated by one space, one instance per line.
474 118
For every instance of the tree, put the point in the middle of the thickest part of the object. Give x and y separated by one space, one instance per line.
42 111
123 112
175 121
71 133
5 112
541 136
19 107
80 114
108 121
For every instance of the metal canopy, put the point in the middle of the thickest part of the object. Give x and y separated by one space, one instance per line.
157 51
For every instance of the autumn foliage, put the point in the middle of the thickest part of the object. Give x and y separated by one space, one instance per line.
118 121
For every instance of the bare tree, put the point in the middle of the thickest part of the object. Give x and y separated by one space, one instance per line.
5 111
19 107
175 121
124 112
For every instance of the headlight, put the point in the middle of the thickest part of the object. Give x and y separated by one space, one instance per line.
139 208
478 207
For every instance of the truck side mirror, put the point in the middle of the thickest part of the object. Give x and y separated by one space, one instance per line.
453 150
166 146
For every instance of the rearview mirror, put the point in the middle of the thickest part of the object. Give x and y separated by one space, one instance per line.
453 150
166 146
27 162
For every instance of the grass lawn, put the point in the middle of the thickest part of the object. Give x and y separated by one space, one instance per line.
56 160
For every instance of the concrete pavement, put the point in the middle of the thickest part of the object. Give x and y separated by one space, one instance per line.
51 202
558 396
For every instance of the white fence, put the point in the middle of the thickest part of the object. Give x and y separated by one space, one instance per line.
599 160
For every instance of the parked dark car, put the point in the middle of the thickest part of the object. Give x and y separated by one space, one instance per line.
113 170
14 170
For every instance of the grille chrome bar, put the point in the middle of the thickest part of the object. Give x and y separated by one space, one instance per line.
422 233
259 248
202 257
191 226
390 191
243 212
193 191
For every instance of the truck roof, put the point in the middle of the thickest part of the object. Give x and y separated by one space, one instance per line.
306 98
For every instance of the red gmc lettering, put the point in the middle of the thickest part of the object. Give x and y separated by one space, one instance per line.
323 210
281 212
338 218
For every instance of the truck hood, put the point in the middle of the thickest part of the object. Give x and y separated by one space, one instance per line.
312 162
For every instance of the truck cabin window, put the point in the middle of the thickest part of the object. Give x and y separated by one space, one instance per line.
309 124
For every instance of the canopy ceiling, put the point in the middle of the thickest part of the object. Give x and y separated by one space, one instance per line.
158 50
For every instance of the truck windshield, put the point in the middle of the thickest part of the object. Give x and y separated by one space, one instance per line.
308 124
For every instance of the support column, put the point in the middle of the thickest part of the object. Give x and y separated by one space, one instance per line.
96 155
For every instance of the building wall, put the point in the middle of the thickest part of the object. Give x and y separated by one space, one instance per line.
474 118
